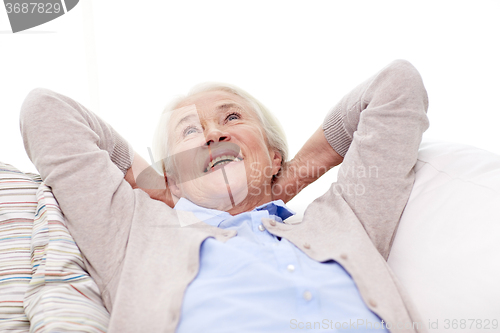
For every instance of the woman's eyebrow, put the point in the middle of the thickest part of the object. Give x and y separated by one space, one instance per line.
229 105
186 119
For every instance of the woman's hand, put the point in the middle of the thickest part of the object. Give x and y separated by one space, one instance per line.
287 184
313 160
142 176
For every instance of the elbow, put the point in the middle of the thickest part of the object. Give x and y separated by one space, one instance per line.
33 115
402 68
404 74
34 107
35 98
404 79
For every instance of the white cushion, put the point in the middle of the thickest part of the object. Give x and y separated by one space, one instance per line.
446 249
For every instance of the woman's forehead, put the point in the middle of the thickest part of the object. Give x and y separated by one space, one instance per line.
209 101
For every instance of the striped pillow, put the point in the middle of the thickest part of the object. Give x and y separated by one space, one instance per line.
61 295
44 286
17 210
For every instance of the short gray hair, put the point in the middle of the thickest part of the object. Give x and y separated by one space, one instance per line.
272 128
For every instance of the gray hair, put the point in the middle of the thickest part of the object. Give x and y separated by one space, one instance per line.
272 128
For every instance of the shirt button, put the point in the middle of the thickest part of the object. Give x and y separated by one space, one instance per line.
307 246
290 268
307 296
272 222
261 227
343 256
372 303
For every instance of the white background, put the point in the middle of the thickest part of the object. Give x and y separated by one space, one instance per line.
126 59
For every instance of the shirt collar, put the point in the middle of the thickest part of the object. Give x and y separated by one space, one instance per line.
277 210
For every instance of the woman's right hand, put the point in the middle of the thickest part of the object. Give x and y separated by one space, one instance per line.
143 176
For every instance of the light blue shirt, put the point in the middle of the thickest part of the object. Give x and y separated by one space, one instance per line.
256 283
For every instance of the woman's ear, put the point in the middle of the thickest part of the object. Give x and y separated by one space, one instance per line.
276 161
171 183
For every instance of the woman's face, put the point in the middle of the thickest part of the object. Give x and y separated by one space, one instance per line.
221 158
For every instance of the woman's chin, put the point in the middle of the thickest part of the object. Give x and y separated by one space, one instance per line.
224 187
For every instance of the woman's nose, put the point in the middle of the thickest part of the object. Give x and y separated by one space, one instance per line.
214 134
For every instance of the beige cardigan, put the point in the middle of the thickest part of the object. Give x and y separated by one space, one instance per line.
142 259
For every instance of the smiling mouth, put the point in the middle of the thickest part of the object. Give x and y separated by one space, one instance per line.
220 161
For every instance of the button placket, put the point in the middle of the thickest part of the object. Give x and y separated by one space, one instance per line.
308 299
286 259
259 228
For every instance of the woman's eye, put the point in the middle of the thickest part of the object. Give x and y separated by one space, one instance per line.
190 130
233 116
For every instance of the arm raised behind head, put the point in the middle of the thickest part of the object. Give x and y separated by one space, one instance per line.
375 132
84 161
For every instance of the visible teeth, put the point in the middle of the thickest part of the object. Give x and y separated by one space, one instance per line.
225 159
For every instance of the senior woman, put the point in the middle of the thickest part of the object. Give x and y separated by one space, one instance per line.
224 259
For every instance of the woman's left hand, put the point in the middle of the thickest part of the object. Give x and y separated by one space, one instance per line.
313 160
286 184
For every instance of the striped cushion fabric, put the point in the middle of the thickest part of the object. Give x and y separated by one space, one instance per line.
44 286
17 210
61 296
